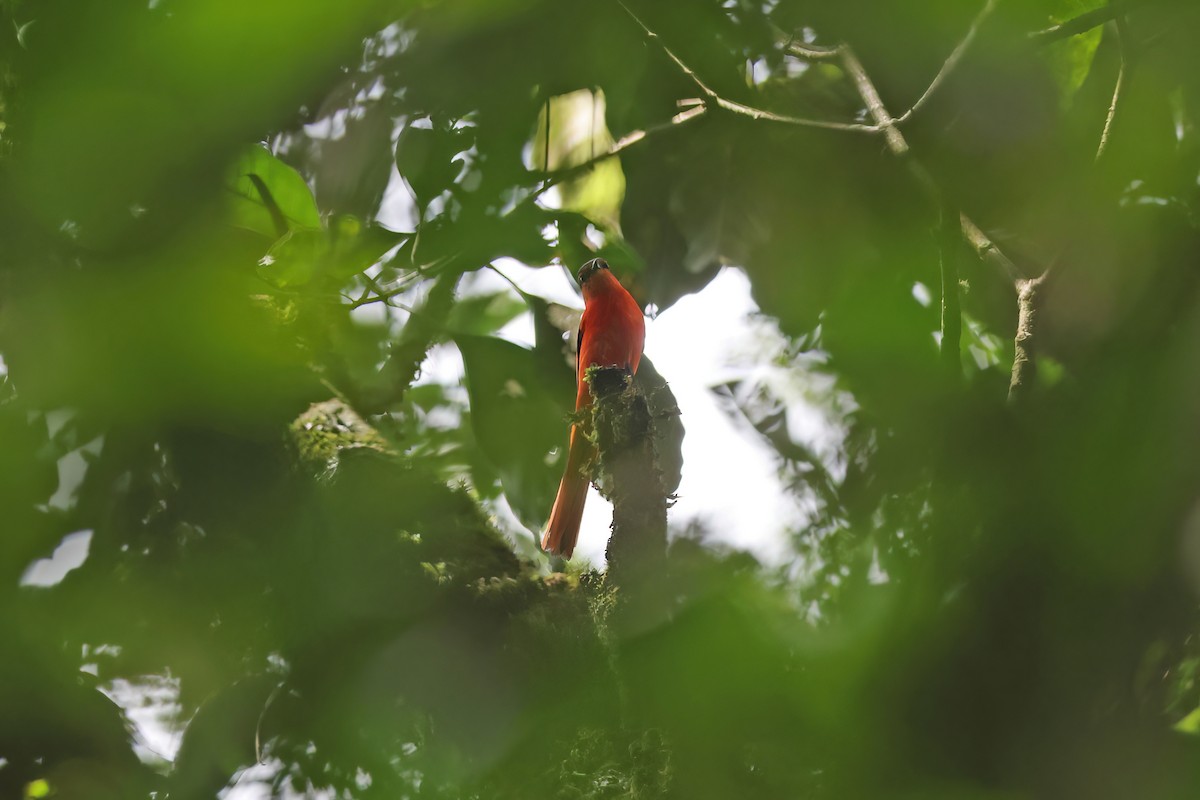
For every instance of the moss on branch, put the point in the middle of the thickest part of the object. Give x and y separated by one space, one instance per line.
629 475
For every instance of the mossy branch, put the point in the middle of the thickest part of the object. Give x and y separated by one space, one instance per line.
628 474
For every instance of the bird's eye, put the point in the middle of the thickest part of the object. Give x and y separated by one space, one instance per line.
591 268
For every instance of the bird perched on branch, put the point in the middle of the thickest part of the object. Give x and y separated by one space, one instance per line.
611 334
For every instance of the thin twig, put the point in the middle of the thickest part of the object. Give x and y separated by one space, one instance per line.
1077 25
509 280
950 243
258 743
546 140
983 246
813 52
1112 110
371 286
386 296
952 61
965 229
1123 45
550 179
715 99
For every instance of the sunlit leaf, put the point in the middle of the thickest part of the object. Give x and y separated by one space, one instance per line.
35 790
1190 723
267 194
578 133
1070 59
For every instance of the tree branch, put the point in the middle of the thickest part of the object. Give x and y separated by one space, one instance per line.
951 61
870 97
984 247
381 295
624 430
1024 367
1123 43
885 123
987 250
551 179
713 99
814 52
950 242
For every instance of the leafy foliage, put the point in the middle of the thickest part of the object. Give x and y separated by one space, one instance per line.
294 544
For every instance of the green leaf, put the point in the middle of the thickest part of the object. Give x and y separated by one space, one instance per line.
1070 59
578 132
268 195
347 248
518 422
1190 723
425 158
484 314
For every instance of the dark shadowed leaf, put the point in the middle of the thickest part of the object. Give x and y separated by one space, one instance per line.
520 425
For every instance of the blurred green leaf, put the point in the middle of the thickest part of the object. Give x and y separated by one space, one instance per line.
1070 59
954 580
268 193
480 315
35 790
346 248
1190 723
518 422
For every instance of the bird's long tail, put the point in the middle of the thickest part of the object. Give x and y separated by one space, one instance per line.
563 529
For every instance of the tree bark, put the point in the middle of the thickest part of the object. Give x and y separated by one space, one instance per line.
1024 368
629 473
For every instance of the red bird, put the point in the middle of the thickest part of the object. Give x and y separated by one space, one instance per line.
611 334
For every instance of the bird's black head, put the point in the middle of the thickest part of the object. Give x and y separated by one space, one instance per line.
591 268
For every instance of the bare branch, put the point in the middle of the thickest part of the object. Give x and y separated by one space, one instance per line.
1024 367
1123 42
813 52
625 142
712 98
885 123
870 97
385 295
952 61
987 250
984 247
1112 110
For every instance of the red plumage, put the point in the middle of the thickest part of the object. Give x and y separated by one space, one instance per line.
611 334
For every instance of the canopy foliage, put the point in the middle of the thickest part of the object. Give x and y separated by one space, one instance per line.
232 232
